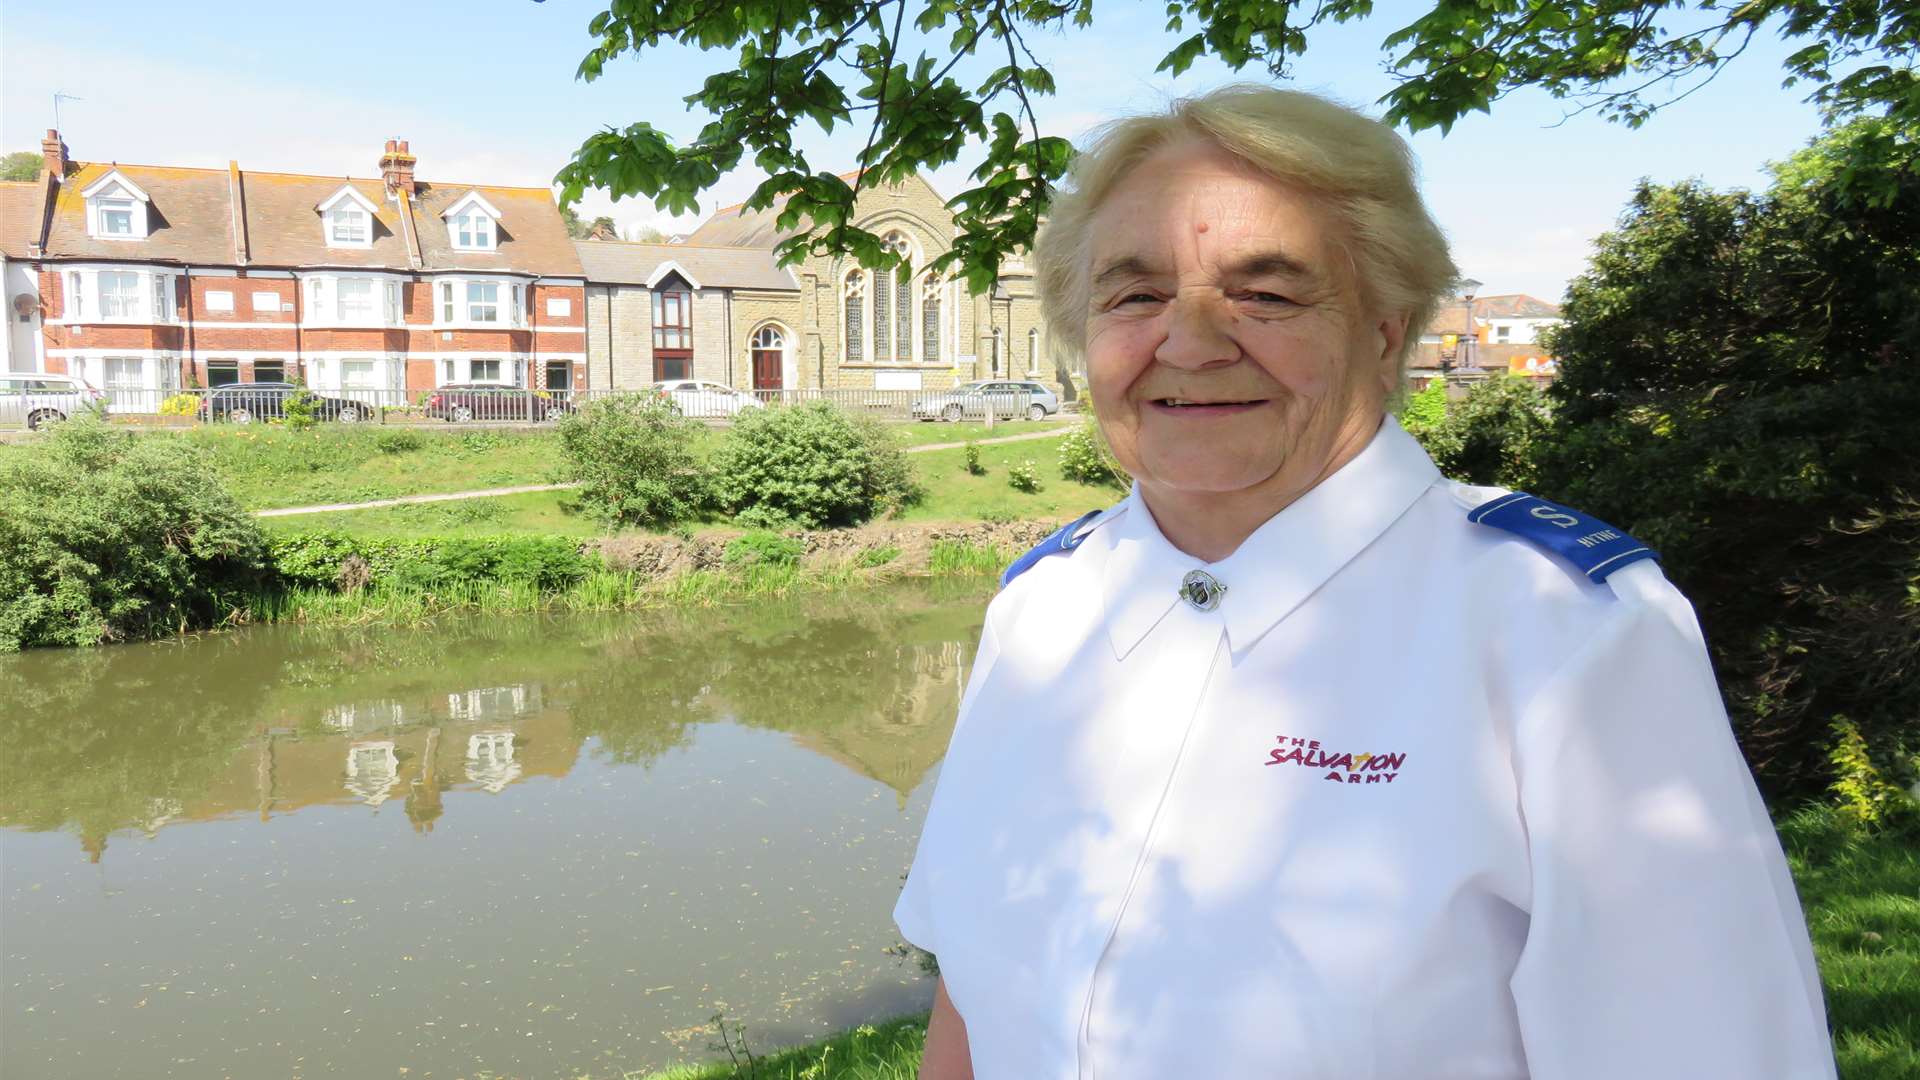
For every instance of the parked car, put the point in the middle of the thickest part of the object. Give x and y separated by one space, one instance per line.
694 397
243 403
461 402
1008 398
36 400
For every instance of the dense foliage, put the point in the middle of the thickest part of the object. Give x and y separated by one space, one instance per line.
632 455
1740 378
343 561
811 466
1084 458
1493 435
105 536
964 76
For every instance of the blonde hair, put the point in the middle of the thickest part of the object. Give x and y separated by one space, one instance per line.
1356 166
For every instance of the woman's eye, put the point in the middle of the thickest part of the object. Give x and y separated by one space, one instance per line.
1267 298
1136 298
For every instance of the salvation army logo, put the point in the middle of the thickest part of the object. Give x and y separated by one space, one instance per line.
1368 768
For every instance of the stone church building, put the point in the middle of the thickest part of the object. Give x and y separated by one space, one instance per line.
717 307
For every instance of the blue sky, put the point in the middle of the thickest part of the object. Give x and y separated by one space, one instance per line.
486 93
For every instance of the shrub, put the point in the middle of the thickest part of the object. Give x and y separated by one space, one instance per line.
299 410
763 548
338 560
180 405
1493 435
810 465
632 455
1426 409
973 466
1084 458
1024 477
105 536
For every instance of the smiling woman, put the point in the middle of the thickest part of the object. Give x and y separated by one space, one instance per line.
1304 761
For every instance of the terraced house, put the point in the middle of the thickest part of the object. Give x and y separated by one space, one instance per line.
717 307
155 278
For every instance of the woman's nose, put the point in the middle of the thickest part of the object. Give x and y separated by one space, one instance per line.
1197 332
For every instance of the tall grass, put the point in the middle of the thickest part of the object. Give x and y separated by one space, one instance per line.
953 558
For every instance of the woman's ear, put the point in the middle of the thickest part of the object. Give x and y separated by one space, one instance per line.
1390 332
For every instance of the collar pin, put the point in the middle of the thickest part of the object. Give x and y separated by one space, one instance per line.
1202 590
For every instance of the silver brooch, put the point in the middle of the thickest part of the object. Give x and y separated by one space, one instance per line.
1202 590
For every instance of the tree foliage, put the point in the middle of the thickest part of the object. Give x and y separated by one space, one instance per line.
1621 58
632 455
1739 389
810 465
21 165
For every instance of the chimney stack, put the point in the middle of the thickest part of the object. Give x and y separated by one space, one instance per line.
53 154
396 167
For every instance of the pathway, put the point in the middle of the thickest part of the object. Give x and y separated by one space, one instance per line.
488 493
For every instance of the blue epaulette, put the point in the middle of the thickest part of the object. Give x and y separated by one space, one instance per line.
1064 540
1594 546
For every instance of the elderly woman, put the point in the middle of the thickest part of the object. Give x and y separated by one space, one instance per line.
1304 761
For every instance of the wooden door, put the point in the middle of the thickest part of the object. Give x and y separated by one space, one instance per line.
766 369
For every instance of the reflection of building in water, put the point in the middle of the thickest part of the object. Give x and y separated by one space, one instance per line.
423 794
494 702
372 771
365 716
898 743
490 760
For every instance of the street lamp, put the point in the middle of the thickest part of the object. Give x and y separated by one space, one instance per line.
1468 287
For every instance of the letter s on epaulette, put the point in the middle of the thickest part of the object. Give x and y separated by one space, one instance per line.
1594 546
1062 541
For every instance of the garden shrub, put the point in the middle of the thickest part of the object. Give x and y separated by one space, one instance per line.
1084 458
180 405
330 560
810 465
1024 477
399 441
972 462
1424 410
300 410
763 548
1493 435
632 455
109 536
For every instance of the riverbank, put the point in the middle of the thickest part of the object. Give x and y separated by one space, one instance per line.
1861 892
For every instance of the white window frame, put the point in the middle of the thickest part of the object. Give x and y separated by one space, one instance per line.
559 307
358 292
473 304
324 306
500 370
150 300
114 193
340 211
264 300
220 300
473 224
455 303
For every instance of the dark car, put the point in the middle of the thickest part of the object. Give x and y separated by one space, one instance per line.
460 402
243 403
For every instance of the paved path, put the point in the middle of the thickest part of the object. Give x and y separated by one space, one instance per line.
488 493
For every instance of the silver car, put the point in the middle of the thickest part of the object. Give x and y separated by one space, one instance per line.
1007 398
696 397
35 400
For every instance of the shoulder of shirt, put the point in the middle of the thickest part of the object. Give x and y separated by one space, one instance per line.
1590 551
1063 541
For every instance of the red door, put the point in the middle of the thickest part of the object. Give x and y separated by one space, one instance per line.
766 369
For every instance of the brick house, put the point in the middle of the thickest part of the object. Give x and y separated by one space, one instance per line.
716 307
1505 336
155 278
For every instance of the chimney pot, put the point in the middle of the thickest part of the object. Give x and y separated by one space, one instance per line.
396 167
53 155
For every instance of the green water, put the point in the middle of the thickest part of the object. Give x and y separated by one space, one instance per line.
534 846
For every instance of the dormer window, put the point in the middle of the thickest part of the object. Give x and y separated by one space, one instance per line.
347 218
116 208
473 224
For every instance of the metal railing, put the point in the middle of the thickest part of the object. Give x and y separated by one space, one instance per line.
243 404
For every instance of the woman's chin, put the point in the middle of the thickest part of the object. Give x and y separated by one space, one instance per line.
1204 476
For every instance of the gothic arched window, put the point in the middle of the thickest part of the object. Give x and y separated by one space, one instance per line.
855 324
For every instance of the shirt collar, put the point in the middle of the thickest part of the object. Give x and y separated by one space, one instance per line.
1285 560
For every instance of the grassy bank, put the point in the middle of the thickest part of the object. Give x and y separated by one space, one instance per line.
1862 898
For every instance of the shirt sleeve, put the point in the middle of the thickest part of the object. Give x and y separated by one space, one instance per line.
913 913
1666 938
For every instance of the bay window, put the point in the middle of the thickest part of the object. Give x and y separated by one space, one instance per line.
483 301
353 300
119 294
484 370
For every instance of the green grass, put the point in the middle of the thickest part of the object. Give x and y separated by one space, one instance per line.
1862 898
954 495
268 465
931 432
543 513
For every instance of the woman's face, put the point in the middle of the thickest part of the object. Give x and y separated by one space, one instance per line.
1228 348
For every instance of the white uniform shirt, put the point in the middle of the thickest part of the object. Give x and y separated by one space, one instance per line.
1417 800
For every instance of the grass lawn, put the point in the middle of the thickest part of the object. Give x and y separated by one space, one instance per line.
1862 898
935 431
268 466
537 513
955 495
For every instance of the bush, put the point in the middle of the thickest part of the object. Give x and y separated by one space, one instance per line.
1024 477
1492 436
300 410
632 455
105 536
1084 458
972 465
763 548
1426 409
810 465
338 560
399 441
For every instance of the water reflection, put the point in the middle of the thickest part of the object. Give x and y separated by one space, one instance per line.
614 828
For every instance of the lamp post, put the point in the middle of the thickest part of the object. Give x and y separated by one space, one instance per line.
1468 287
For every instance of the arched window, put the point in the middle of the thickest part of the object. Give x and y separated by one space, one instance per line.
1033 351
930 329
999 350
855 323
893 304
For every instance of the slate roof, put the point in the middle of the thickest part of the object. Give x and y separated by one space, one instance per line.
191 220
625 263
22 204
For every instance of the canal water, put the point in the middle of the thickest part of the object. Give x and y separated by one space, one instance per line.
531 847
